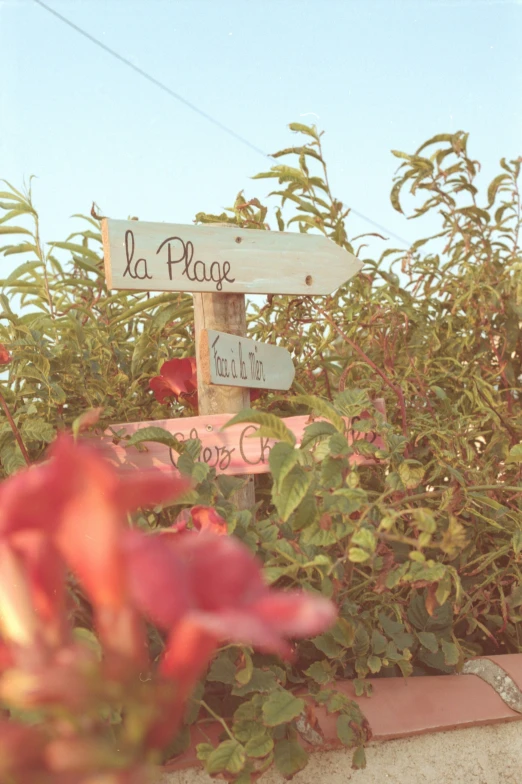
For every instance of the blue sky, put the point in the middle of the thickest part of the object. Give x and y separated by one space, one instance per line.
374 74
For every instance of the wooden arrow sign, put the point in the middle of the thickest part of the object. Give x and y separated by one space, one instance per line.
229 451
167 257
234 361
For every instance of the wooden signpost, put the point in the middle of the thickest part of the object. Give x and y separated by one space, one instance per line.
235 361
219 265
229 451
169 257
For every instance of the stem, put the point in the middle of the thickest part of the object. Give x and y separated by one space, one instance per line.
217 718
464 488
396 389
15 430
43 259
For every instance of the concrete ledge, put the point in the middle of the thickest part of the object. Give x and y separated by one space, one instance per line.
478 755
405 708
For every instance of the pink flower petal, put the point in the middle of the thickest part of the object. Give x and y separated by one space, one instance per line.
295 614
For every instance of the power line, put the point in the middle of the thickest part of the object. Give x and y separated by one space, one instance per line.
187 103
151 79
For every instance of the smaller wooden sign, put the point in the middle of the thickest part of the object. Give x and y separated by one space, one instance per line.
229 451
230 360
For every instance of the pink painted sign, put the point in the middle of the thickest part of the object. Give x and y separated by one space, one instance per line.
229 451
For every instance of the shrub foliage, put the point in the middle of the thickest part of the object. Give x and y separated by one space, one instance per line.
421 549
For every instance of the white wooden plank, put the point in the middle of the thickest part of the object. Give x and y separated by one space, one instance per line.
144 256
230 360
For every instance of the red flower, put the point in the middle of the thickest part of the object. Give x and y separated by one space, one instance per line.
177 379
21 750
206 589
77 504
205 518
5 356
209 589
202 589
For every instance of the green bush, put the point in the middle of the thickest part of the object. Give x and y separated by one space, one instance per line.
421 548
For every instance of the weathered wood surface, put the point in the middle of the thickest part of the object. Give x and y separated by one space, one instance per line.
145 256
229 451
231 360
222 312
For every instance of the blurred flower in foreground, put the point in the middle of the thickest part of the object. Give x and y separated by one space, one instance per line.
70 513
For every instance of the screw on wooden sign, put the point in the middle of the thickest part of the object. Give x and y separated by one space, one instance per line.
229 451
231 360
169 257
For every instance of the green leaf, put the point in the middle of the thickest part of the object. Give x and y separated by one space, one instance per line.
270 426
411 473
24 247
282 459
343 632
320 672
364 538
82 250
12 459
425 521
321 407
338 445
451 653
374 664
359 758
309 130
289 757
259 746
361 643
515 454
229 484
494 186
429 641
517 541
443 590
291 491
38 430
317 431
222 670
244 676
344 732
331 472
203 751
356 555
305 514
379 642
399 154
14 230
262 681
229 755
352 402
88 639
327 645
156 434
281 707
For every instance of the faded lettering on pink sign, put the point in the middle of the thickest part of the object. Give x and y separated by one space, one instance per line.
229 451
